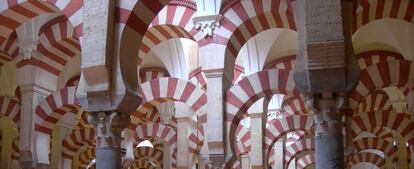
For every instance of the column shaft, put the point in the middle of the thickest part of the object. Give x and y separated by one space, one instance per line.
183 156
257 156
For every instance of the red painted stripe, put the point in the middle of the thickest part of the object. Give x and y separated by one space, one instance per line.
121 15
43 6
250 27
263 22
51 55
278 20
23 11
171 9
240 11
409 12
163 32
151 36
188 14
154 5
10 41
155 88
283 77
74 42
72 7
78 30
380 9
395 8
290 17
404 73
201 101
11 3
384 75
63 29
8 22
135 23
64 49
50 36
42 129
365 11
188 90
172 85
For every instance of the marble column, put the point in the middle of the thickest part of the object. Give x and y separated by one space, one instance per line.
9 134
278 148
31 95
166 157
257 156
183 154
328 133
245 161
108 138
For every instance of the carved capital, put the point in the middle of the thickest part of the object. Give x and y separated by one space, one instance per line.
28 48
109 126
327 114
207 23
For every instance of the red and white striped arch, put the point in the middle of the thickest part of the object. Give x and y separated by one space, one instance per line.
294 105
365 157
141 163
287 62
378 144
253 87
396 73
295 136
159 131
398 122
164 89
156 130
50 110
149 153
305 161
245 19
298 147
58 43
10 108
145 113
15 152
14 13
196 140
173 21
9 49
243 140
280 127
151 73
77 139
376 101
132 20
198 77
380 132
368 11
369 58
86 157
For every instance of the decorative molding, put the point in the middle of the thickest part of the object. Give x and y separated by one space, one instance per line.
207 24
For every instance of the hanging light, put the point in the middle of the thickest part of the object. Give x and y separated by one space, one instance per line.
145 143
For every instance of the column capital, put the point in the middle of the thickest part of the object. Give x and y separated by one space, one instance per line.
108 127
213 73
27 47
207 23
327 112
